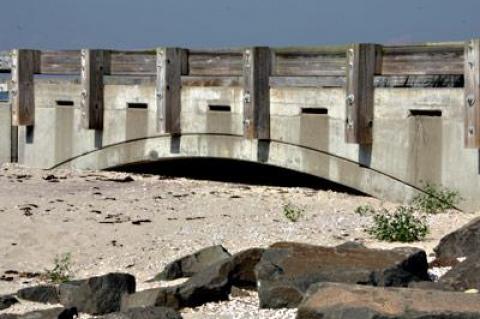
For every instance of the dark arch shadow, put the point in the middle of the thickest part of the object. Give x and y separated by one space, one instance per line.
235 171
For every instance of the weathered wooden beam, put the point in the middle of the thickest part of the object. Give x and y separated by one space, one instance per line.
307 81
472 94
256 92
171 64
24 64
225 81
214 63
362 65
94 64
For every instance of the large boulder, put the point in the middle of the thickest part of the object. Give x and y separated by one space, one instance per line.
189 265
463 242
42 293
145 313
211 284
244 262
464 276
286 270
97 295
6 301
344 301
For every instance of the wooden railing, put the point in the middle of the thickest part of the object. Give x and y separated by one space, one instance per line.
358 68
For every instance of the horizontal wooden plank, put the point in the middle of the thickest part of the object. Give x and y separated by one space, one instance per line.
60 62
123 62
422 60
212 81
319 50
5 61
419 81
221 64
307 81
129 80
214 51
309 65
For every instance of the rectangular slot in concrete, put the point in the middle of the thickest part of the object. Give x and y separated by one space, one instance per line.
64 103
316 111
220 108
432 113
137 106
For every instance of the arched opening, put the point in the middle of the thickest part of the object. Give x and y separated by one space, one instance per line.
235 171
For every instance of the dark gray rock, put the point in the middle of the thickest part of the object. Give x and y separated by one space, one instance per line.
52 313
463 242
155 297
97 295
145 313
344 301
43 294
244 262
209 285
7 301
189 265
464 276
286 270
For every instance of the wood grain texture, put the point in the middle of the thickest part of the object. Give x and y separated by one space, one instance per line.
24 64
95 63
361 68
226 81
256 91
307 81
295 64
169 63
214 63
472 94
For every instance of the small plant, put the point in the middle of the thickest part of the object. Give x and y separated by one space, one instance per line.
61 270
400 225
292 212
435 200
364 210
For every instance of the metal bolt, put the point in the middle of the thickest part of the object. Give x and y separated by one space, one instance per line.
247 98
471 130
470 100
350 99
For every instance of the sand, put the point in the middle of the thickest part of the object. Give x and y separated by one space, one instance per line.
109 223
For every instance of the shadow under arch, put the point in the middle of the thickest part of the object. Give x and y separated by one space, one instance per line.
234 171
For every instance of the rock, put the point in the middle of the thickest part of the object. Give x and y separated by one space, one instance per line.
429 285
155 297
7 301
43 294
52 313
463 242
145 313
464 276
244 263
209 285
189 265
97 295
286 270
344 301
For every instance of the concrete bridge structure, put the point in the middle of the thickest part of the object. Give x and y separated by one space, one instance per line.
380 119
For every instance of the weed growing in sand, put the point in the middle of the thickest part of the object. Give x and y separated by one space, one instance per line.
292 212
61 270
400 225
365 210
435 200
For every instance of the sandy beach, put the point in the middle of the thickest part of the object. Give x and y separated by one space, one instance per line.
119 222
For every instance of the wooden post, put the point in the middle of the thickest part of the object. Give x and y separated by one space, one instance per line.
171 64
256 92
25 63
94 64
472 94
362 65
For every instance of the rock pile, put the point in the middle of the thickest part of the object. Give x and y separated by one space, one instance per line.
347 281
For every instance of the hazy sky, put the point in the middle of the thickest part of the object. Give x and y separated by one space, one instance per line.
219 23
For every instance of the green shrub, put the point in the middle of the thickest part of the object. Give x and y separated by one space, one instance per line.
292 212
61 271
400 225
435 200
365 210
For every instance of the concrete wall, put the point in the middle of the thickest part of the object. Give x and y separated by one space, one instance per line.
406 151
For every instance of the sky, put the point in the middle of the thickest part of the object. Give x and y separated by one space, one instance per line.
139 24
